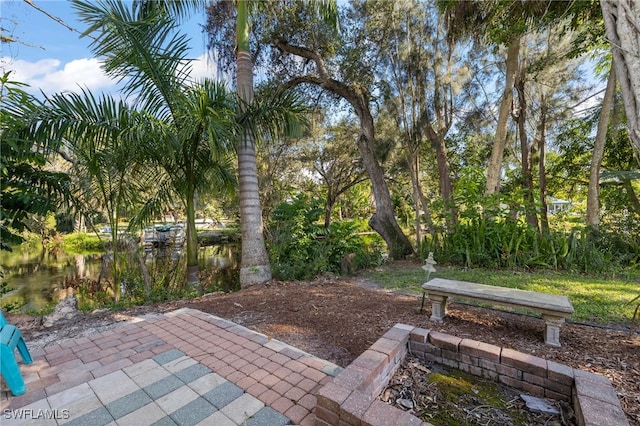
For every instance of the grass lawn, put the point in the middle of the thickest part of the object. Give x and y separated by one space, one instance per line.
596 300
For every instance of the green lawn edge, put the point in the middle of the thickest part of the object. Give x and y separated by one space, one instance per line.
597 300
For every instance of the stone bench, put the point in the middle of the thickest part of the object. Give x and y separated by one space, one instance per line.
553 308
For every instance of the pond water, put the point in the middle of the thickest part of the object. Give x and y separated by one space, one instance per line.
38 279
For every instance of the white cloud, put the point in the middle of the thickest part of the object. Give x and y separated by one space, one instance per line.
203 66
50 76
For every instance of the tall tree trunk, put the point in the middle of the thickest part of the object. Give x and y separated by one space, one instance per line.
446 188
254 265
332 197
593 192
542 174
420 201
383 221
497 152
525 151
412 162
622 24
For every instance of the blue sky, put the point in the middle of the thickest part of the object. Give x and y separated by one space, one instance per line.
51 58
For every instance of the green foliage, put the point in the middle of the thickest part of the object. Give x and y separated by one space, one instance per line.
79 243
502 243
489 235
27 189
5 289
301 248
567 172
166 282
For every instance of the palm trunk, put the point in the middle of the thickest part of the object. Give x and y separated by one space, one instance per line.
593 193
254 266
193 277
115 272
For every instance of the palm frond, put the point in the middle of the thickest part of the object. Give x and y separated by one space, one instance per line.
275 114
180 9
160 195
148 54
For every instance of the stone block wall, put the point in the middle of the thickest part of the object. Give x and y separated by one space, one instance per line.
350 399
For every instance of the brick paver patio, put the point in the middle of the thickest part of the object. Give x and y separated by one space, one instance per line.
185 367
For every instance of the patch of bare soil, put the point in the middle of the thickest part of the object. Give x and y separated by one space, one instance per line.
339 318
441 396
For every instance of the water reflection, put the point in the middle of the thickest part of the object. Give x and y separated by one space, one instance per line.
38 279
221 263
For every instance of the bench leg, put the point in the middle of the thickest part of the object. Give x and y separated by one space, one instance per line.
11 371
438 307
552 326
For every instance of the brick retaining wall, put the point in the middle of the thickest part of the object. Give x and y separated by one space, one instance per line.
351 397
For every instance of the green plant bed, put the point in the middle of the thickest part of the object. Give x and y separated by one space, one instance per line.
597 299
81 243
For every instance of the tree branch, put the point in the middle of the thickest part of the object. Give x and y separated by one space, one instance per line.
305 53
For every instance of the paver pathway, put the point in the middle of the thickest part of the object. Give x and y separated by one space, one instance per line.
185 367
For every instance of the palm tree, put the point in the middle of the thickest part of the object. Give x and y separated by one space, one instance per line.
102 140
189 127
254 266
192 127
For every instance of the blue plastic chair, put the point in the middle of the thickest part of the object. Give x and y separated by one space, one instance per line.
10 339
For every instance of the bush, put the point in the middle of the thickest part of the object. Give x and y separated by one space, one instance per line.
301 248
79 243
5 289
502 243
489 235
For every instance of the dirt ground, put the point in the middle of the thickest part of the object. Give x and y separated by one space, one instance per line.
339 318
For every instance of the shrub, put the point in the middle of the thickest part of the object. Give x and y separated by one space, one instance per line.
5 289
499 243
301 248
79 243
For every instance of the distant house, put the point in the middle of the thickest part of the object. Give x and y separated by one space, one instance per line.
556 205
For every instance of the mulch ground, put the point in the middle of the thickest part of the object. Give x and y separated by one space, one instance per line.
339 318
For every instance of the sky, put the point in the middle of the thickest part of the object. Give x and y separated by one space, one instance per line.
51 58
